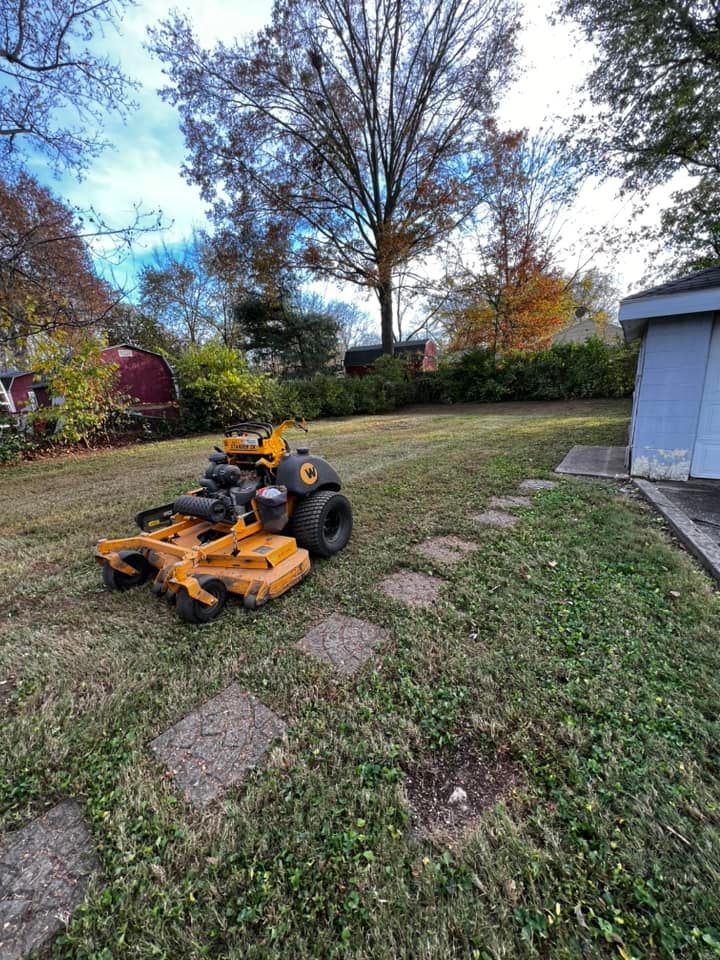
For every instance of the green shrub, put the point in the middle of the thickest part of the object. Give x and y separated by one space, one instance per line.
14 442
335 399
82 386
217 388
294 398
563 372
387 386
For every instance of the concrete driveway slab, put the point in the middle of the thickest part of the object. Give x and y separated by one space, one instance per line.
607 462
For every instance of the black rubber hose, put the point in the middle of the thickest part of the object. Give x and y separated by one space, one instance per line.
204 507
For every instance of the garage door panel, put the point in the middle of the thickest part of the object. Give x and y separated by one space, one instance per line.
706 457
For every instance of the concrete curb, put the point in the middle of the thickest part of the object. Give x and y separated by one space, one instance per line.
697 542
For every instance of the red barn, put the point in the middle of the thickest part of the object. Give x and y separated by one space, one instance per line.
420 354
146 377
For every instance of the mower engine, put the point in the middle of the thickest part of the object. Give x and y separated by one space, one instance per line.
226 492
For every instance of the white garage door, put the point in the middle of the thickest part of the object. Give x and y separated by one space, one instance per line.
706 458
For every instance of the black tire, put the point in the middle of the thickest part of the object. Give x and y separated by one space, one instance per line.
193 611
322 522
117 580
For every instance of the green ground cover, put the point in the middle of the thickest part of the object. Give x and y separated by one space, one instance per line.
581 645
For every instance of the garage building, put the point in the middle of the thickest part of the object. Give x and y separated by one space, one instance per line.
675 428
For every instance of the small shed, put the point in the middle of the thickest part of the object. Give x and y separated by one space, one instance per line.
7 405
147 378
675 427
421 354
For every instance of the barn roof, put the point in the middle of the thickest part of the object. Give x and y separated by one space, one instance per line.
10 374
698 292
134 346
364 356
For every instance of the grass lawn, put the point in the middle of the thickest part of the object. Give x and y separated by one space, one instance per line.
580 646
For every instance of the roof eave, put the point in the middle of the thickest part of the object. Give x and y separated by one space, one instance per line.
635 313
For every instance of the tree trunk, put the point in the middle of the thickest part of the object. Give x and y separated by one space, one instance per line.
385 296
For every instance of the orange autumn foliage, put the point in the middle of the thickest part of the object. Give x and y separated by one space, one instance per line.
523 314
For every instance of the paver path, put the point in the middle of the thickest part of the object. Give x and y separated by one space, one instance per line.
494 518
214 747
345 643
532 486
44 872
415 589
447 550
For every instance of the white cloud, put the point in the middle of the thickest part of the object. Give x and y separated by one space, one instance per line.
144 167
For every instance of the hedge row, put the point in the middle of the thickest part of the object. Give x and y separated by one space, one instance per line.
564 372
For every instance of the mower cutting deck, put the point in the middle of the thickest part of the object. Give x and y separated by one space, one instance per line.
248 529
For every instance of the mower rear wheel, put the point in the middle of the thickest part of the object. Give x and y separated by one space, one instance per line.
322 523
193 611
117 580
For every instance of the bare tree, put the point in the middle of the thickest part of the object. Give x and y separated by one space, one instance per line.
361 122
177 290
353 324
54 88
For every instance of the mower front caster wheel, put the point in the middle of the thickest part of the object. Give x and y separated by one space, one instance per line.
117 580
193 611
322 523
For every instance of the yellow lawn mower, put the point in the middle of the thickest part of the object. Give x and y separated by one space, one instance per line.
260 510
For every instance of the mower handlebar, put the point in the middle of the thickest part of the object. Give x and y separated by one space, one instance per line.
259 427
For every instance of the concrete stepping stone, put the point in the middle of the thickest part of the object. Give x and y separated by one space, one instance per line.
415 589
215 747
345 643
494 518
532 486
447 550
45 868
507 503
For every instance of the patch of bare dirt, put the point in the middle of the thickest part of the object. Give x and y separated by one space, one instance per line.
449 791
494 518
446 550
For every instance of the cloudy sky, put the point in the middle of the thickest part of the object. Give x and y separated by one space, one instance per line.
144 166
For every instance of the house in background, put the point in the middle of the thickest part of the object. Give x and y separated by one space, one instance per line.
421 354
582 328
146 377
675 427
